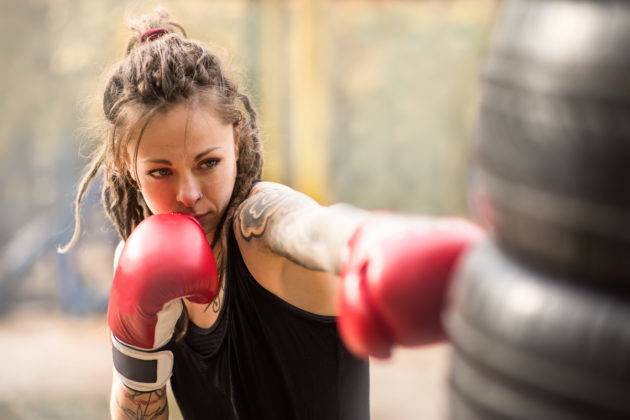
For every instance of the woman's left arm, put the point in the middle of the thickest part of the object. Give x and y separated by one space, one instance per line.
394 269
295 226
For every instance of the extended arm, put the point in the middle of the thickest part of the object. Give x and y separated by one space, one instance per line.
294 226
394 269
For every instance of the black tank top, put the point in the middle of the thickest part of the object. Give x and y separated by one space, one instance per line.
264 358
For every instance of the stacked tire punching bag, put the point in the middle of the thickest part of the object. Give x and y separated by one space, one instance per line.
539 317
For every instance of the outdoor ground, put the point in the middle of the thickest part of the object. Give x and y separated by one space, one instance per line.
57 367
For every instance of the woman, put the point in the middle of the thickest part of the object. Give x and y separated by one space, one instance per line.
262 341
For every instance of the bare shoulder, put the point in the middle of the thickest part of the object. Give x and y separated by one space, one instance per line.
278 239
257 222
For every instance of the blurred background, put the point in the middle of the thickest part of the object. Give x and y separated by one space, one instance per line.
366 102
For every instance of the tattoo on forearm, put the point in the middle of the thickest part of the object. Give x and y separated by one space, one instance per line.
143 405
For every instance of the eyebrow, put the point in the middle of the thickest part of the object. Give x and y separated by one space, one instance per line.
168 162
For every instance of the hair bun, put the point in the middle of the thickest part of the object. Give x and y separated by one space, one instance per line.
152 34
150 27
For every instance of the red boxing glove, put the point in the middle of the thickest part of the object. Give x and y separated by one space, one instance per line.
394 279
166 257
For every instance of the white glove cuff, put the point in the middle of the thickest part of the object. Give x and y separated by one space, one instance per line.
142 370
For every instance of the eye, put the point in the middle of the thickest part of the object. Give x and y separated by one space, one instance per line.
210 163
160 172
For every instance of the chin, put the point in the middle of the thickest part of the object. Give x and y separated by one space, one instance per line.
208 226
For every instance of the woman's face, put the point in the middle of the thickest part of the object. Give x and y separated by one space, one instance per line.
187 163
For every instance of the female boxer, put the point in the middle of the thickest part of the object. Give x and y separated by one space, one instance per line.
255 336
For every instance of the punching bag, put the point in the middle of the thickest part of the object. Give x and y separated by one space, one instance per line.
554 136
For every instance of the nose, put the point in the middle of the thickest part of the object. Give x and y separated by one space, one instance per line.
189 192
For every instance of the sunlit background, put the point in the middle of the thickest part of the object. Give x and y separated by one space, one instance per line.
366 102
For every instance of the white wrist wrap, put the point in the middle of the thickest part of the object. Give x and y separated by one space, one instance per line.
142 370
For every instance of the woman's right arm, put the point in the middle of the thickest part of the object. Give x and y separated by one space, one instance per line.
126 403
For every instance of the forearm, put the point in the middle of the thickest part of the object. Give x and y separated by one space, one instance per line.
126 403
330 229
294 226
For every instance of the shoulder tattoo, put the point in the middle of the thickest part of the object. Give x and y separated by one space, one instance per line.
258 210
